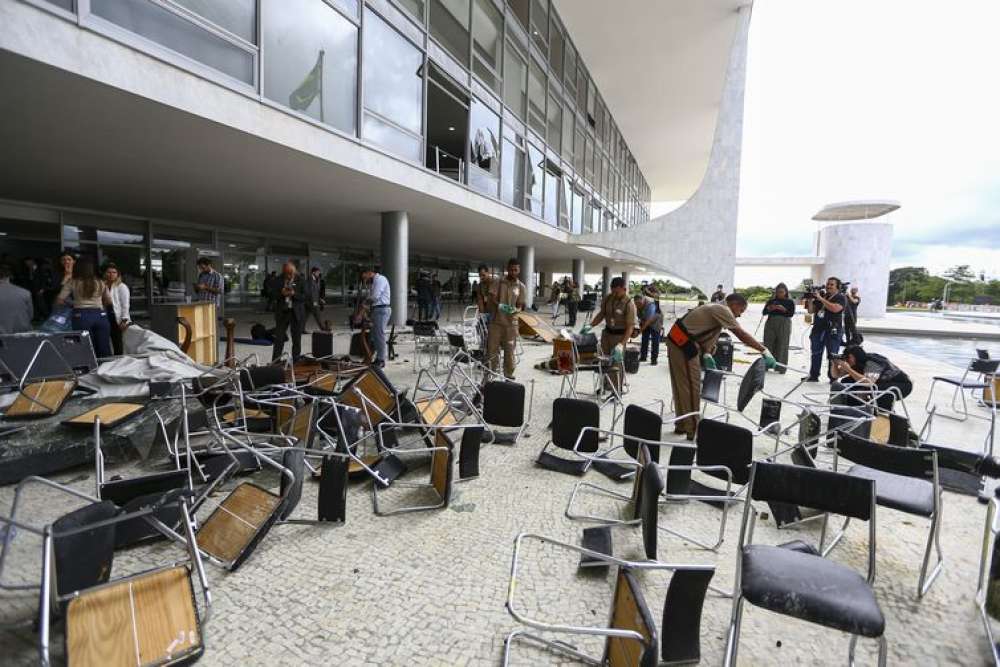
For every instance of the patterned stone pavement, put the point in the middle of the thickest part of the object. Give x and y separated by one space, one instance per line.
429 588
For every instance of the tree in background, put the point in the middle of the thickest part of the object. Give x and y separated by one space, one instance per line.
915 283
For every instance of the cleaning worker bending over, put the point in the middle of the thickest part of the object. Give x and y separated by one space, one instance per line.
690 344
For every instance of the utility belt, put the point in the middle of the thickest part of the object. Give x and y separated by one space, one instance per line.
614 332
385 305
681 337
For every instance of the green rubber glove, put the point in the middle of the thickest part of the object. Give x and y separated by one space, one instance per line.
586 329
708 361
769 360
618 354
507 308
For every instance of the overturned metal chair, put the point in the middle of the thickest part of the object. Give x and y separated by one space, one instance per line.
441 459
149 618
570 416
632 638
783 579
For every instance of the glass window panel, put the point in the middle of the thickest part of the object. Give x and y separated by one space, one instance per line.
555 122
567 133
415 7
592 100
392 75
579 150
65 4
556 44
237 16
599 128
310 60
449 21
577 227
570 67
520 10
536 98
552 181
565 201
589 161
540 24
487 42
484 148
595 219
535 185
391 138
512 181
169 29
581 89
515 81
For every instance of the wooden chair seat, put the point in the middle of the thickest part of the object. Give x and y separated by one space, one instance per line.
374 390
111 414
231 529
51 394
145 620
253 413
629 612
435 411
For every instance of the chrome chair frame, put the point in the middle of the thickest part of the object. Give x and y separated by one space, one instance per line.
746 536
538 624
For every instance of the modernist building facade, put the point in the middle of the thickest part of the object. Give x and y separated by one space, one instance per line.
418 133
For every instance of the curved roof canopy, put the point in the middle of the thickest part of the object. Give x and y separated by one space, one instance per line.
856 210
660 67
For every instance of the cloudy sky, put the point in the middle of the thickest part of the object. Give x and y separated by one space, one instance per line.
873 99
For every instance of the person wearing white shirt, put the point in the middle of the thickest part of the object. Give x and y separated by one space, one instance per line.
381 311
118 311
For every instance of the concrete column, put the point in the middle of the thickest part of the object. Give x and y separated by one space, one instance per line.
396 261
627 277
578 275
526 255
605 281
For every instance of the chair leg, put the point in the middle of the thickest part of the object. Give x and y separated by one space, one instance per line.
556 646
883 649
933 538
733 637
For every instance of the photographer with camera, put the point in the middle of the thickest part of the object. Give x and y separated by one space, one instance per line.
867 368
827 306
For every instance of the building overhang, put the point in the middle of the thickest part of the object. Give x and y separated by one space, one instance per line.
661 68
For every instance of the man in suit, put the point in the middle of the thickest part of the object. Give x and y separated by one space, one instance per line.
290 311
15 305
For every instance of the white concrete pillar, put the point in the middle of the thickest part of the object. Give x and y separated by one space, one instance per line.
578 275
396 261
605 281
526 256
627 278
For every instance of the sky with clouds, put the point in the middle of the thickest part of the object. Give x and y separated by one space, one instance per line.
873 99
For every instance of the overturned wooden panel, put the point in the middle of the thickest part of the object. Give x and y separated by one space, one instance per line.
40 399
436 411
629 612
231 527
147 620
111 414
533 326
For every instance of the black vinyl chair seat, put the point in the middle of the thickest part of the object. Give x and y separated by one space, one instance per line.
568 466
810 588
898 492
596 538
613 471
